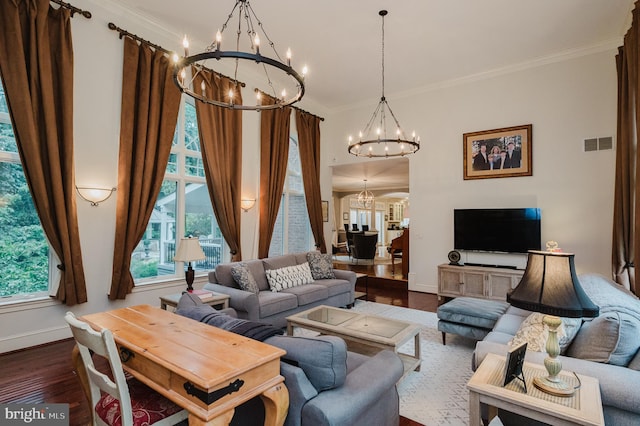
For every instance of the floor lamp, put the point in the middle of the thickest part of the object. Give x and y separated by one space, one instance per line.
189 250
550 286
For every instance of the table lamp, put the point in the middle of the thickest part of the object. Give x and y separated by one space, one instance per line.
550 286
189 250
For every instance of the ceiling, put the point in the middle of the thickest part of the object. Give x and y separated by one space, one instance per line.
428 43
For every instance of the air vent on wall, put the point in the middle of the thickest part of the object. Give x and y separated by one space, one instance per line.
598 144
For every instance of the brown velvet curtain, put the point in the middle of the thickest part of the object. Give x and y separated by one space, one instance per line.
626 220
221 142
274 156
150 105
36 63
308 126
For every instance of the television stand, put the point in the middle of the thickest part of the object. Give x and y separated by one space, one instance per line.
484 282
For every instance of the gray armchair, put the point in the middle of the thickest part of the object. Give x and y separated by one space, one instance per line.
321 376
364 246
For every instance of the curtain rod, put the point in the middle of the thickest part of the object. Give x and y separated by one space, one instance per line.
72 8
291 106
124 32
307 112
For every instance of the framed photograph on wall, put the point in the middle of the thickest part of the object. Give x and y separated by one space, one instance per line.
325 211
345 216
498 153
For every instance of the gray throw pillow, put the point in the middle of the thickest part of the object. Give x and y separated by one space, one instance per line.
322 358
610 338
244 278
321 265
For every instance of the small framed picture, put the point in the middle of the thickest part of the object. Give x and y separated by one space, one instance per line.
345 216
513 365
325 211
498 153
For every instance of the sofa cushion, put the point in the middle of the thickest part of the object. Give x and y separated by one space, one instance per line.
611 338
288 277
271 303
321 265
610 296
322 358
335 286
535 333
309 293
277 262
244 278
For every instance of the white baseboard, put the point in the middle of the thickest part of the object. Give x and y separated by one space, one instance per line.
424 288
39 337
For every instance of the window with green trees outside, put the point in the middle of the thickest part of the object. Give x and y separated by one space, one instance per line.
24 249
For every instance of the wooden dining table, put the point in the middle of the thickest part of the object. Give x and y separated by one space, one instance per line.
206 370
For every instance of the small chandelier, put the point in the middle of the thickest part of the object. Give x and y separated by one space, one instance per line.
382 144
365 198
188 67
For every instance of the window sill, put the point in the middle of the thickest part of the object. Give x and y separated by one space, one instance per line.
27 302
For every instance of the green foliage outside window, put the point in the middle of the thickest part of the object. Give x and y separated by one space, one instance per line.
24 250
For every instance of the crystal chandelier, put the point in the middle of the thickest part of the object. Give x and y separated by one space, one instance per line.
365 198
383 144
287 89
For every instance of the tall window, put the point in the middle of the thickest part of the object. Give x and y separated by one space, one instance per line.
183 208
24 249
292 230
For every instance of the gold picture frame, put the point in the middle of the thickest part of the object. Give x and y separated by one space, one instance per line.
507 153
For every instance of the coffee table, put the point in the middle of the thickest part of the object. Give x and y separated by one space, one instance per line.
485 387
364 333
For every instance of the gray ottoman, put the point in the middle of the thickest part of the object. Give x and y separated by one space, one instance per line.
469 317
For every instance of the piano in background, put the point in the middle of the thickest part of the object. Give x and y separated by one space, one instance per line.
399 249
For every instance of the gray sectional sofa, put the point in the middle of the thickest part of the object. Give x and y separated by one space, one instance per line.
272 307
606 347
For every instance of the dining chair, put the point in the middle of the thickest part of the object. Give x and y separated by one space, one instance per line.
116 400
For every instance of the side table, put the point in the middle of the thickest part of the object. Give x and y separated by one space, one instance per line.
485 387
219 300
365 278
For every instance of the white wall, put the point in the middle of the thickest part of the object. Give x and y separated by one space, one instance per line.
565 101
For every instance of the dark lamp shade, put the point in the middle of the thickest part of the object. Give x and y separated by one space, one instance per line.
550 286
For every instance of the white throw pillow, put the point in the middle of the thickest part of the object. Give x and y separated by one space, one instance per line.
288 277
535 333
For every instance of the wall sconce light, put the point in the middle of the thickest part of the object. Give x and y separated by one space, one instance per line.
94 195
247 204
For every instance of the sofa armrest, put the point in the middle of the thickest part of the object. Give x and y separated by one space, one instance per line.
240 300
300 391
343 274
363 388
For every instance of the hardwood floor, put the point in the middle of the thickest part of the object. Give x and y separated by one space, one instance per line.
45 374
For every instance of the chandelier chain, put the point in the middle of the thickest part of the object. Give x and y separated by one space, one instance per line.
382 55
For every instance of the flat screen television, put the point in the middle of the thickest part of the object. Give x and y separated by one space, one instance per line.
497 230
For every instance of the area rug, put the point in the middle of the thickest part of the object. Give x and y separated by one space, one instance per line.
437 394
